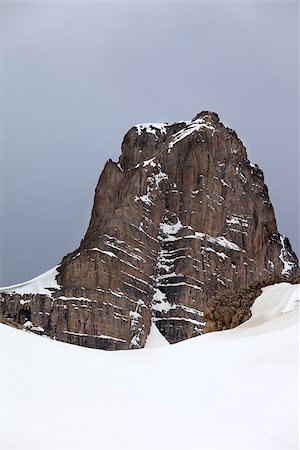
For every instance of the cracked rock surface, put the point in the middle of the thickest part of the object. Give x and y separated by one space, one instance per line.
182 218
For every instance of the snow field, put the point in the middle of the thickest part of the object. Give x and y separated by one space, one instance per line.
234 389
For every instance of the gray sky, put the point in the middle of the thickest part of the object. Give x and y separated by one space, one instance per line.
76 76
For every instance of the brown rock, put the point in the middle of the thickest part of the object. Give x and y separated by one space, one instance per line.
232 308
182 219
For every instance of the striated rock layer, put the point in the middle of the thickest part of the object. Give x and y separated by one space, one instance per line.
182 218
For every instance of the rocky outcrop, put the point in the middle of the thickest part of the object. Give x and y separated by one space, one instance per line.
182 218
232 308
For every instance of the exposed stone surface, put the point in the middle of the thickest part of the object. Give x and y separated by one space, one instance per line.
182 218
232 308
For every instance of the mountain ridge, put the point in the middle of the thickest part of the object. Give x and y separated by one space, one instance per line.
182 217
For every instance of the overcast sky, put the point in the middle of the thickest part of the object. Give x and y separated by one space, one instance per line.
76 76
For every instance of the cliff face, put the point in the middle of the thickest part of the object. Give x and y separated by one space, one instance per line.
182 218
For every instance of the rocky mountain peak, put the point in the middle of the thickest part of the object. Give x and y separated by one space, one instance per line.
182 218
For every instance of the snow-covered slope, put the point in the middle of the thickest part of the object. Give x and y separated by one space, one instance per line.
38 285
155 338
234 389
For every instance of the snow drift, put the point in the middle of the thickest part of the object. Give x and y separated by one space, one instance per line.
38 285
234 389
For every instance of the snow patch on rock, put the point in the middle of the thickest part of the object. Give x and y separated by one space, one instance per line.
159 301
38 285
284 256
151 128
191 127
220 240
169 231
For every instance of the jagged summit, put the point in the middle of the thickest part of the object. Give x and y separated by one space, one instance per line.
181 218
157 139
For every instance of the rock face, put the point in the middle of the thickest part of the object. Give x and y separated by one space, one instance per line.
231 308
182 218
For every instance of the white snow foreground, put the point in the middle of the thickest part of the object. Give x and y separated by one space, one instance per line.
235 389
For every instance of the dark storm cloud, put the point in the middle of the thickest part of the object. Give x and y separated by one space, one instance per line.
76 76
